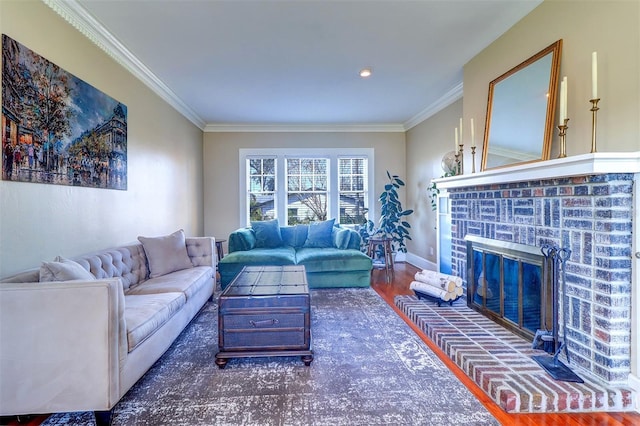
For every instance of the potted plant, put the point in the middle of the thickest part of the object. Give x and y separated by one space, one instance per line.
392 223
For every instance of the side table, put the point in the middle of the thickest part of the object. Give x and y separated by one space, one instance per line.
219 248
385 244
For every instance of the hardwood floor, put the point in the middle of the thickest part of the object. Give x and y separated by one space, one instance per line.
403 276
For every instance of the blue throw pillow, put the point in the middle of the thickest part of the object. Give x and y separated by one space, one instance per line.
294 236
267 233
319 234
341 238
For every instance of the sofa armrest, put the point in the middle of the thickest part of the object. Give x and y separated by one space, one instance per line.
242 239
201 251
62 346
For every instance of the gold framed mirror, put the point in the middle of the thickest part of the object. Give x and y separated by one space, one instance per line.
521 111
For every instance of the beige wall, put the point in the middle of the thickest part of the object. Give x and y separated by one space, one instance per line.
39 222
426 144
221 159
612 28
583 27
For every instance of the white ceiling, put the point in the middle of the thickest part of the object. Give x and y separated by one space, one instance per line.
294 63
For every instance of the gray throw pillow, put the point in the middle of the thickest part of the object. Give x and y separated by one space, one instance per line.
166 254
63 270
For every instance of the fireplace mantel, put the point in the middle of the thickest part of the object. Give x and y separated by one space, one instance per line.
577 165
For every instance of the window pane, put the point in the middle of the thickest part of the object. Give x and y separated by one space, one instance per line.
261 207
320 166
255 167
345 183
358 183
269 166
358 165
306 207
320 183
293 183
293 166
352 209
353 195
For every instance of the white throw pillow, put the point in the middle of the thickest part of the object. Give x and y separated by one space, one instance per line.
63 270
166 254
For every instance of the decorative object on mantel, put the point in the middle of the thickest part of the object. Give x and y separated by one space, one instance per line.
563 126
594 99
461 150
473 148
520 122
449 165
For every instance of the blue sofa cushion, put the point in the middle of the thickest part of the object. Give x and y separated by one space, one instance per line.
341 238
267 233
319 234
294 236
258 256
332 259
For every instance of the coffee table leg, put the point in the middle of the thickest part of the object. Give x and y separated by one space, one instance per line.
307 359
221 362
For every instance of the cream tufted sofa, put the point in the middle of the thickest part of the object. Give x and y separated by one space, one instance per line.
80 345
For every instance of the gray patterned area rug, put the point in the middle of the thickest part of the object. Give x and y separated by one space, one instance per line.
370 368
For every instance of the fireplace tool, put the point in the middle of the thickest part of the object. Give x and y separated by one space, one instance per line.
556 368
544 338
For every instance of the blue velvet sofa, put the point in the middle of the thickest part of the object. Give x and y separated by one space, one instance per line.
330 254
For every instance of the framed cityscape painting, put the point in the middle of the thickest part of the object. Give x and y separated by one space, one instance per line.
56 128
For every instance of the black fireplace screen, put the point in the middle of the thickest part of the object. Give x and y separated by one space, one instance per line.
505 283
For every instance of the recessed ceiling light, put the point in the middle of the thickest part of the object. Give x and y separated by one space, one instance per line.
365 72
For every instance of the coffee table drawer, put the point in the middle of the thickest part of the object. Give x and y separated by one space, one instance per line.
263 321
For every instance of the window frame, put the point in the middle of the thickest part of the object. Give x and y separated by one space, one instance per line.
333 203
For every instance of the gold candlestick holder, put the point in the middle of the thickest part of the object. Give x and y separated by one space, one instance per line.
594 122
457 155
473 159
461 151
563 141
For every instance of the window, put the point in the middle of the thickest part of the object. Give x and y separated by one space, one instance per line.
305 185
352 178
261 181
307 189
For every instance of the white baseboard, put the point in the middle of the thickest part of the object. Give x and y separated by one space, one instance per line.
634 384
420 262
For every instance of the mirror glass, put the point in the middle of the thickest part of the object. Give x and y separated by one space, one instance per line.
521 111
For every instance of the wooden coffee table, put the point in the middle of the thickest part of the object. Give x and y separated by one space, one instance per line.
265 311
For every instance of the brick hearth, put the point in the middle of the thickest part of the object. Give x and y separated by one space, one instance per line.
500 363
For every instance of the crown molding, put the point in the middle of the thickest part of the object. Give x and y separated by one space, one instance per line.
78 17
447 99
301 128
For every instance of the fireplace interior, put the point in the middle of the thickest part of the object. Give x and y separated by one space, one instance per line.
511 284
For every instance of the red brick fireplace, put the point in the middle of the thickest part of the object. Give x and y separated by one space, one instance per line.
586 204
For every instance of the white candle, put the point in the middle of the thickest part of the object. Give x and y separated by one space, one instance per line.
461 140
594 75
566 92
456 140
562 101
473 138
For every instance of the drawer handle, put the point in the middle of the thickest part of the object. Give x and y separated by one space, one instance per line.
264 323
